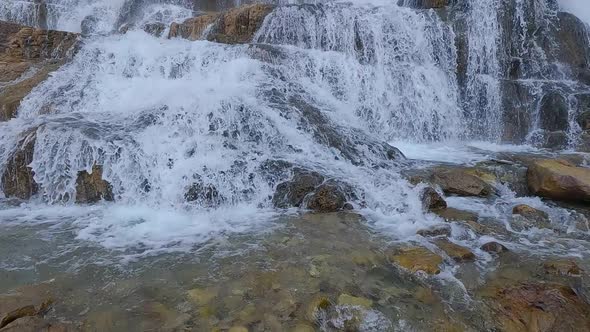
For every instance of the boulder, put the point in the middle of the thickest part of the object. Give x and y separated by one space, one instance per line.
417 259
493 247
538 307
18 178
91 188
234 26
292 192
461 182
28 50
328 197
455 251
432 200
559 180
584 120
555 140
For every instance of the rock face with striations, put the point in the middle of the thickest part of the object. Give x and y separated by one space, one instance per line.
559 180
17 180
234 26
28 56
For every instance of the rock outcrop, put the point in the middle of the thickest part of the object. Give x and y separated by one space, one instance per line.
461 182
28 56
559 180
18 178
91 188
234 26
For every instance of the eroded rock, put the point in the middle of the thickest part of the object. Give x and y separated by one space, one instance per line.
435 230
234 26
18 178
203 194
29 56
562 268
559 180
493 247
525 216
292 193
328 197
91 188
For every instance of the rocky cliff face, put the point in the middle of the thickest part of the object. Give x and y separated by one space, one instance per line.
28 56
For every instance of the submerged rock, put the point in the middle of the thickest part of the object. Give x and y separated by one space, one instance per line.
562 268
455 251
559 180
204 194
91 188
417 259
539 307
234 26
346 299
435 230
525 216
18 178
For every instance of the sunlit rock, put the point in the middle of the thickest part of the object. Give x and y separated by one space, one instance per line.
417 259
456 252
234 26
559 180
435 230
346 299
28 56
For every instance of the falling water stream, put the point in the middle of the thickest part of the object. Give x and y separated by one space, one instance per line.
323 86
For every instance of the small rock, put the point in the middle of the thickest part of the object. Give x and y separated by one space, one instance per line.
292 192
562 268
417 259
155 29
317 304
345 299
525 216
91 188
202 296
494 247
452 214
431 200
455 251
204 194
435 230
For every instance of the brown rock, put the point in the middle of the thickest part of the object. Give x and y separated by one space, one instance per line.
431 200
91 188
435 230
17 180
235 26
525 216
452 214
327 198
25 49
562 268
292 192
494 247
455 251
539 307
559 180
417 259
462 182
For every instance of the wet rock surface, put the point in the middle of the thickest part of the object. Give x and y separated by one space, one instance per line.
560 180
236 25
91 188
18 178
27 57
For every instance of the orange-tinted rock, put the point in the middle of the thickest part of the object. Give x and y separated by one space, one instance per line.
559 180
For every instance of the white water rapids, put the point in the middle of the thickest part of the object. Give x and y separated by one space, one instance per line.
159 114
